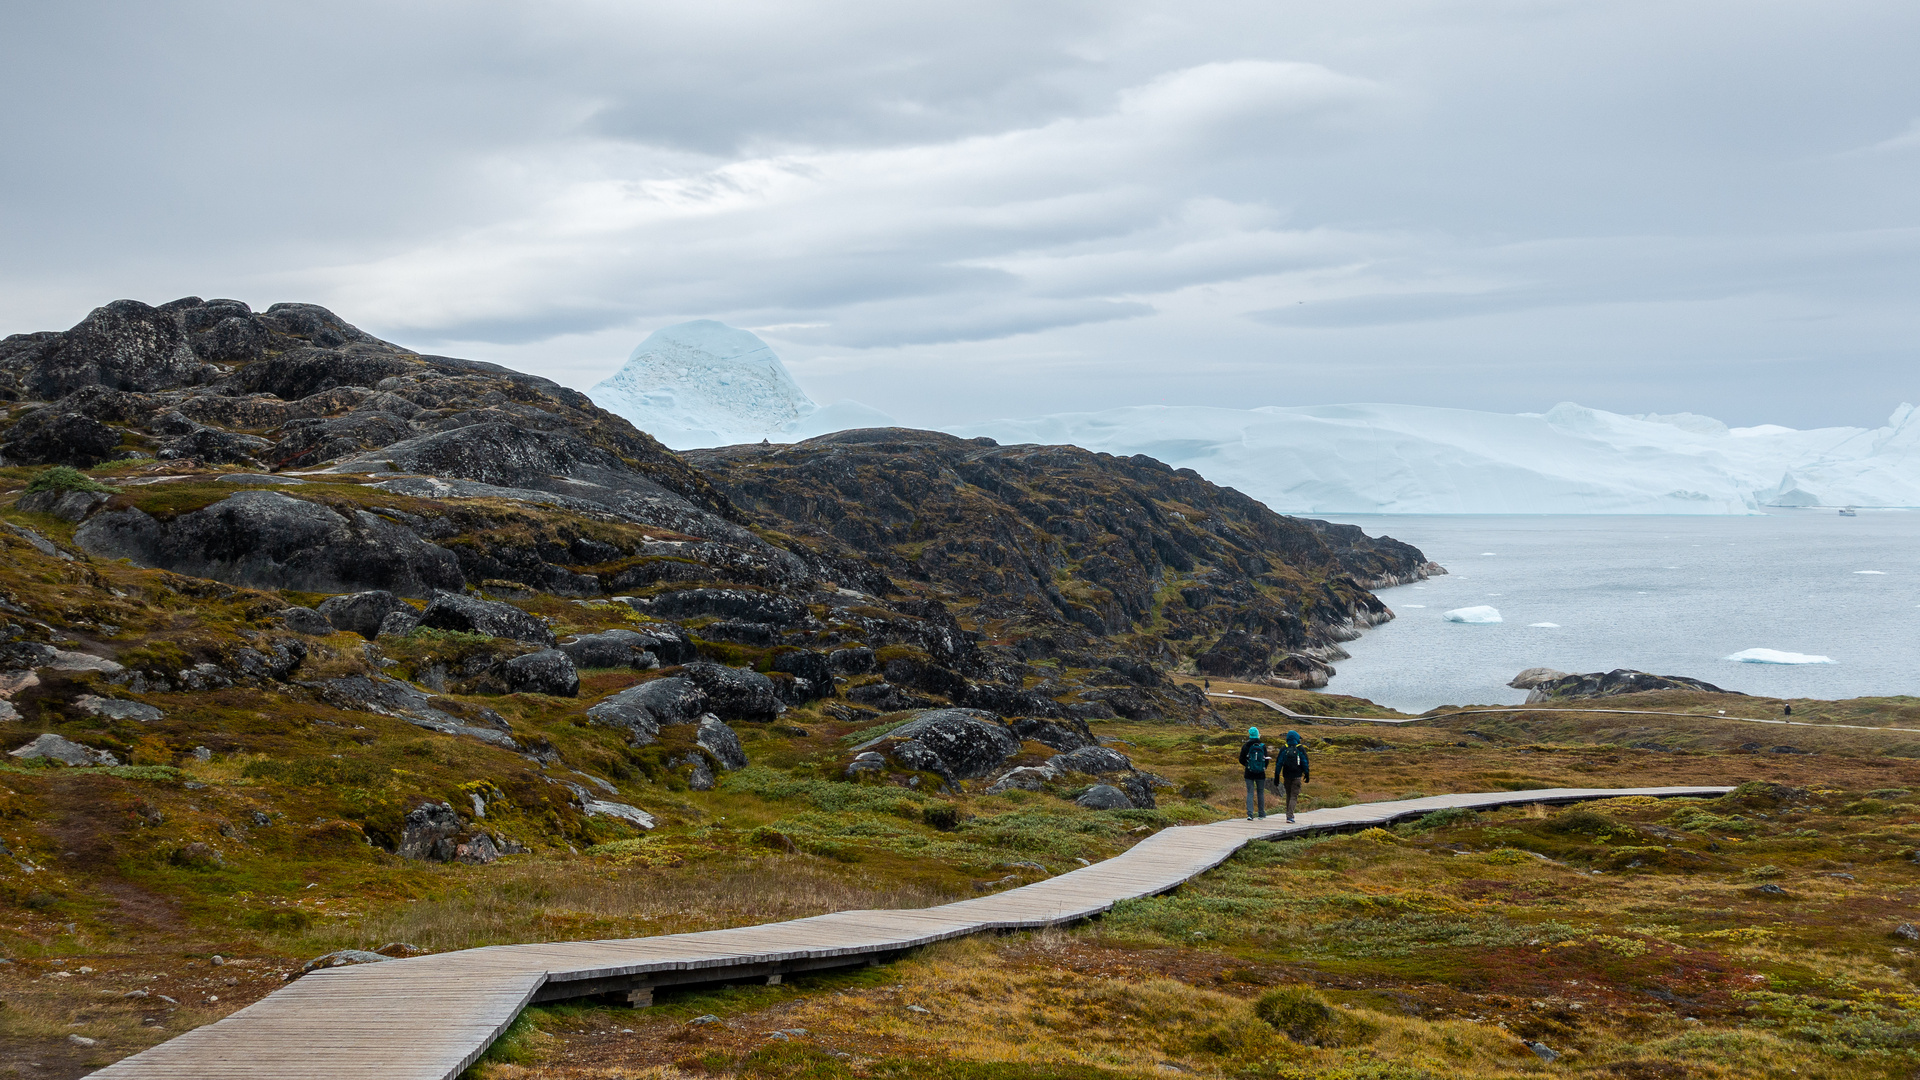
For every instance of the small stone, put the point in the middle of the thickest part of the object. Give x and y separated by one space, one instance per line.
1543 1051
701 1020
916 1008
218 960
796 1032
135 994
780 1035
201 753
1770 889
82 1040
1908 931
166 999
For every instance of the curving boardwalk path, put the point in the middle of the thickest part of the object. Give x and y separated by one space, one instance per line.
430 1017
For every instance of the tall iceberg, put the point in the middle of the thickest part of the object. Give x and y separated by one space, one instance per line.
704 383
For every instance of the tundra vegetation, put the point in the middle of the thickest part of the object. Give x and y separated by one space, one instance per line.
321 644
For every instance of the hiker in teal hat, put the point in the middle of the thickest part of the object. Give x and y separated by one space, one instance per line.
1253 762
1291 769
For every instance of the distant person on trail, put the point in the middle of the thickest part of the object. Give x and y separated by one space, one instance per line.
1253 762
1292 770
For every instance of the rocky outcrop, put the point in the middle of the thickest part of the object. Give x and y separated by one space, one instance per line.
960 744
362 612
58 748
644 709
1612 683
1534 676
470 614
613 649
1092 760
548 671
1104 797
735 693
269 540
390 697
719 740
432 831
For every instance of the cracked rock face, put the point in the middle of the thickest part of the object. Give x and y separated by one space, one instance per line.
265 539
735 693
716 738
967 743
455 611
644 709
548 671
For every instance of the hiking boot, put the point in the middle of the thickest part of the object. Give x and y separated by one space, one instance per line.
1289 819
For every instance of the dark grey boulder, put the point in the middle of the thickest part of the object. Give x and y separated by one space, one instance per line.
812 674
118 708
65 505
457 611
548 671
339 958
1063 735
429 832
125 345
272 541
1025 778
212 446
968 743
737 605
1093 760
1104 797
611 649
854 661
391 697
313 441
886 697
698 769
303 620
644 709
1139 789
48 437
740 632
236 339
916 756
66 751
362 612
735 693
399 623
277 661
716 738
302 372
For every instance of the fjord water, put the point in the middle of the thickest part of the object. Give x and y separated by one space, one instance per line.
1670 595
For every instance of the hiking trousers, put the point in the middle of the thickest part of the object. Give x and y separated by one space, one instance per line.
1256 795
1293 793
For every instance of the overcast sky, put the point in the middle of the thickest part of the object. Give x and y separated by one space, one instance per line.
998 209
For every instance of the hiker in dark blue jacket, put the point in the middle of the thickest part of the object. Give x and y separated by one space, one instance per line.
1253 762
1291 769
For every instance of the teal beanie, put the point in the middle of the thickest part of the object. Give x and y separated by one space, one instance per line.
1253 733
1293 738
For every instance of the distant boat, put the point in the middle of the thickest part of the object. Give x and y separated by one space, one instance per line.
1848 511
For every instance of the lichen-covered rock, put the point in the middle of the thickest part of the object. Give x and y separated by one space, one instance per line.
740 605
1063 735
52 437
968 743
644 709
117 708
211 446
1104 797
1024 778
273 541
457 611
697 768
1611 683
735 693
548 671
854 661
716 738
66 751
125 345
611 649
305 620
1093 760
429 832
66 505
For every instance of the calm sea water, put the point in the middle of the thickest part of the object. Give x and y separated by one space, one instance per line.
1670 595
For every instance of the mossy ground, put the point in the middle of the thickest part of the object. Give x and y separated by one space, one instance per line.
1635 937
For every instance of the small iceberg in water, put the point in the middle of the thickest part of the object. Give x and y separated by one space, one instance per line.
1548 625
1480 614
1880 572
1775 656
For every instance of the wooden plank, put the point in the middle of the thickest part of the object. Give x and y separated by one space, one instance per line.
430 1017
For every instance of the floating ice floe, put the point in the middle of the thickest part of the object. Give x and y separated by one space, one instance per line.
1477 614
1881 572
1548 625
1413 605
1775 656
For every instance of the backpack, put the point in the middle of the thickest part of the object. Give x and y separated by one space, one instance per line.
1257 757
1293 758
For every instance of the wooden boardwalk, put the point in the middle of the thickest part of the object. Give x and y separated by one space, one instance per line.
430 1017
